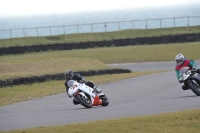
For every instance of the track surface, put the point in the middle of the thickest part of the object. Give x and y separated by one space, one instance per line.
145 95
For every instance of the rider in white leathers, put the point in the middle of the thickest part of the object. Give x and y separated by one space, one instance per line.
69 75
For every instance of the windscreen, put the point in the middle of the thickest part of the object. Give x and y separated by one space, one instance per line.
183 70
70 83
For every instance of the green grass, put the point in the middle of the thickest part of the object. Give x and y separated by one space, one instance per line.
30 64
175 122
27 68
84 37
137 53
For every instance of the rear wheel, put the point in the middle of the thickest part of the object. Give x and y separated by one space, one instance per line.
194 87
85 101
105 100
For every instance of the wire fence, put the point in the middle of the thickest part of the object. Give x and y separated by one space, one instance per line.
101 27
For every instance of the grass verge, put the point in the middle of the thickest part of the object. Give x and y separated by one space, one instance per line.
33 67
176 122
125 54
50 62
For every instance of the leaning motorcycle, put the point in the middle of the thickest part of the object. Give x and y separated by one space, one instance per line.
86 95
191 79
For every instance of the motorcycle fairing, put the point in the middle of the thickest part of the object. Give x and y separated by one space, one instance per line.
96 101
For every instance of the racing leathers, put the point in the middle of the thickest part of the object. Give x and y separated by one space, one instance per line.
81 79
186 63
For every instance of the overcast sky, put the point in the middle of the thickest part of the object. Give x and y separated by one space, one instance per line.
35 7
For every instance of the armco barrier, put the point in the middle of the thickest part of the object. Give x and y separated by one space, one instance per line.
58 76
117 42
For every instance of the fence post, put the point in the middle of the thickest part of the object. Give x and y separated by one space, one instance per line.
64 29
188 22
37 31
119 26
105 25
50 30
10 33
174 22
160 23
24 32
146 24
92 27
133 24
77 29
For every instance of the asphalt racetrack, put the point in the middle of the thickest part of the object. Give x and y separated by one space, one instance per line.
145 95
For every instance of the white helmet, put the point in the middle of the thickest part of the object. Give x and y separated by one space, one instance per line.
179 59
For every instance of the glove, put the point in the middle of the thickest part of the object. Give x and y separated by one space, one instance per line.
180 81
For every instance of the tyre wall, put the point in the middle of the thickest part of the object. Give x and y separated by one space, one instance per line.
179 38
58 76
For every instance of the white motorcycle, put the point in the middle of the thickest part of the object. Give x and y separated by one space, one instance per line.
86 95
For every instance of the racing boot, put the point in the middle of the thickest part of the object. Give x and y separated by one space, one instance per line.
75 102
97 89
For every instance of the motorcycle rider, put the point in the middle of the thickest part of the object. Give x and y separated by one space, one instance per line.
69 75
181 61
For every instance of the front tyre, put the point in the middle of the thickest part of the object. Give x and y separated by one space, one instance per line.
105 100
194 87
85 101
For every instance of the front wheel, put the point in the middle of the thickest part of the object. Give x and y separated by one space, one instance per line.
85 101
194 87
105 100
